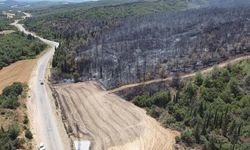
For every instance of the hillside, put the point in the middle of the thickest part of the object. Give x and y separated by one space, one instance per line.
134 42
24 47
211 111
4 23
61 14
141 41
60 22
15 132
18 53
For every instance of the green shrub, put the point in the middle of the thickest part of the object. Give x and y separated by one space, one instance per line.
198 79
9 102
247 80
154 111
26 119
161 99
9 97
15 89
187 137
28 134
170 120
13 131
142 101
177 139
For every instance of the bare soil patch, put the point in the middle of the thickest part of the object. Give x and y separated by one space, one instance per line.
19 71
7 31
108 121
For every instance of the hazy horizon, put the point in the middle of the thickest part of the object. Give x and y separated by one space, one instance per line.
52 0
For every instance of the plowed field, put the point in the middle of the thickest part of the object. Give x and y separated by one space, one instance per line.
108 121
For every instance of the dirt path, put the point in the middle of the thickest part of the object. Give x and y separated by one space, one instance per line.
7 31
109 121
204 71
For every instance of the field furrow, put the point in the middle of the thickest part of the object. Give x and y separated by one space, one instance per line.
109 121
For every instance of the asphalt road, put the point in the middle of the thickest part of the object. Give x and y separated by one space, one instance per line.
46 125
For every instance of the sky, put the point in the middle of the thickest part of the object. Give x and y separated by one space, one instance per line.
52 0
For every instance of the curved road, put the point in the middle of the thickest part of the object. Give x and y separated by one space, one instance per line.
46 125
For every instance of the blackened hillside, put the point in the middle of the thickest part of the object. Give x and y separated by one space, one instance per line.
154 46
129 43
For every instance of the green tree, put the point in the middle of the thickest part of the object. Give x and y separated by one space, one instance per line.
15 89
198 79
187 137
28 134
232 127
190 90
13 131
197 133
225 123
161 99
234 87
30 37
247 80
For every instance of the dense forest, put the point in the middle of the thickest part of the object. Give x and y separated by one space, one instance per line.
211 111
18 46
51 22
4 23
12 128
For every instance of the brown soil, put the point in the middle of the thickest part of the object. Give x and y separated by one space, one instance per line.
108 121
16 72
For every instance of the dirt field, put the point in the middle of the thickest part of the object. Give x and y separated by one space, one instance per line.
16 72
108 121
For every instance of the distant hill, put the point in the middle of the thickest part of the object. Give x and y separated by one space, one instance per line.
13 3
226 3
22 5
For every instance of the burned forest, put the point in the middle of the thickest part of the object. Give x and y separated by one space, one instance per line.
133 49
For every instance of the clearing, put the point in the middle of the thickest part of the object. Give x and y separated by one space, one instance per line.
7 31
16 72
108 121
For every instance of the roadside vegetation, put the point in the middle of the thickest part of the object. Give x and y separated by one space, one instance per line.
13 120
211 111
18 46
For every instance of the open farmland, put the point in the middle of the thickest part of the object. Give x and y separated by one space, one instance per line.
108 121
